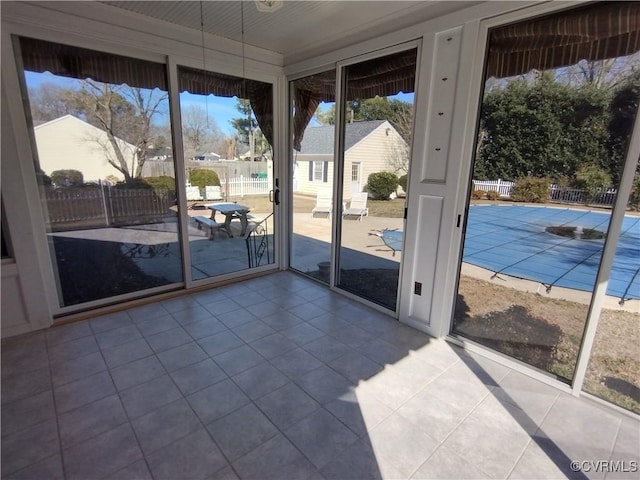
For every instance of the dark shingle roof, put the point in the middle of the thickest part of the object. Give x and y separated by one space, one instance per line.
319 140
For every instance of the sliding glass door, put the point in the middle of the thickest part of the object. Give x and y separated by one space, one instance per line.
553 136
350 207
227 138
312 172
99 121
376 132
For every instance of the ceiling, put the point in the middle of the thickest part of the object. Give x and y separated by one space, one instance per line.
298 29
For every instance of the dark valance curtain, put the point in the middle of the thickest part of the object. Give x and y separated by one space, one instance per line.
378 77
594 32
259 94
81 63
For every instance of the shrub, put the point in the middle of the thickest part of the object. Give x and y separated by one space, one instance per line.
382 184
402 181
161 183
591 178
493 195
67 178
530 189
634 198
201 177
478 194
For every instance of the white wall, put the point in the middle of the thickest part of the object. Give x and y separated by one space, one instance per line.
69 143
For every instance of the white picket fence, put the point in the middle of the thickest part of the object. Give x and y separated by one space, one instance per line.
242 186
501 186
605 196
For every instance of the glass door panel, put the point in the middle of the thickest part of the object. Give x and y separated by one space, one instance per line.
227 134
100 121
377 129
545 177
313 107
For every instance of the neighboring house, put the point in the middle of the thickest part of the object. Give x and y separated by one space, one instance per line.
68 143
370 147
207 157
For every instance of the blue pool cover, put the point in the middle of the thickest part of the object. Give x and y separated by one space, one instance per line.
512 240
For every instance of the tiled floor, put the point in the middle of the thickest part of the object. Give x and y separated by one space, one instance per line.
277 378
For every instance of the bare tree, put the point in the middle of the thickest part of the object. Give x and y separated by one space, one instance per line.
200 133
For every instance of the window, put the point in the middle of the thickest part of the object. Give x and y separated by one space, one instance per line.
318 171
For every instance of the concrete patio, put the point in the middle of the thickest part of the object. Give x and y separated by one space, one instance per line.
277 377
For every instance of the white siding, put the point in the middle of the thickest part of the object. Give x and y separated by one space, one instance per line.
375 152
69 143
306 187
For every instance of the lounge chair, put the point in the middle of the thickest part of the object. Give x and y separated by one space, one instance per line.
357 206
324 203
212 192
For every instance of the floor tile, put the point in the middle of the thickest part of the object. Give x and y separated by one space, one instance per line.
263 308
220 343
126 352
546 460
580 429
400 444
118 336
204 328
626 449
193 456
29 446
49 468
326 348
260 380
236 318
238 360
191 315
65 333
179 304
165 425
136 471
307 311
446 464
181 356
15 387
217 400
241 431
154 325
296 363
324 384
359 461
27 412
135 373
69 350
151 310
287 405
252 331
109 322
148 396
320 437
268 460
66 372
220 307
91 420
273 345
197 376
168 339
281 320
361 413
102 455
78 393
432 415
248 298
355 366
302 334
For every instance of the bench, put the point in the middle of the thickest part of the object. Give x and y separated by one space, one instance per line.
211 224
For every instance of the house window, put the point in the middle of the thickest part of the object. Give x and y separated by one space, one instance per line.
318 171
355 172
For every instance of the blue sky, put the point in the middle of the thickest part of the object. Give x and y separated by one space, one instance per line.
220 109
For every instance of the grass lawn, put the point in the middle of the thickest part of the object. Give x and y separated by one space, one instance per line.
305 203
